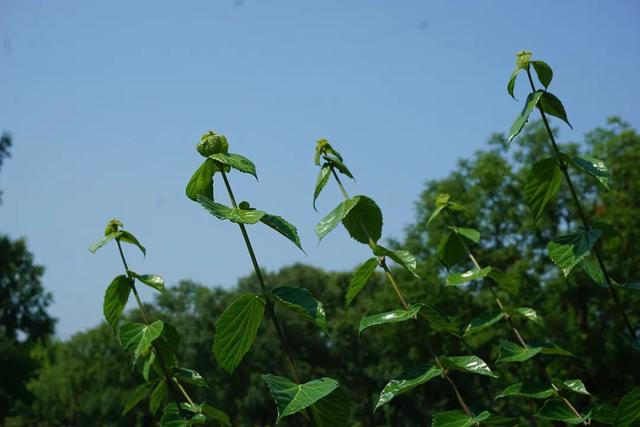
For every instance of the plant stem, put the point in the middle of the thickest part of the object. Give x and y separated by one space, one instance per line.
163 366
263 286
583 217
396 288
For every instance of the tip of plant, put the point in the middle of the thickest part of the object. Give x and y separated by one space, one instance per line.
212 143
523 59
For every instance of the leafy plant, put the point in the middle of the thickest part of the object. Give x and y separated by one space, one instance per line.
153 345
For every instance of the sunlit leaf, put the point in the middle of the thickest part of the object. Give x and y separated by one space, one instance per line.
300 301
331 221
360 279
237 162
456 279
407 381
393 316
323 178
115 299
483 321
138 337
202 181
291 397
550 104
512 352
542 185
364 220
523 117
568 250
469 364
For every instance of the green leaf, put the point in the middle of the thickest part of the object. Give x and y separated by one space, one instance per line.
403 258
334 218
576 386
542 185
393 316
512 352
407 381
591 166
555 410
167 345
523 117
631 286
215 414
138 337
180 417
512 82
628 409
291 397
568 250
159 395
300 301
544 72
451 250
115 299
505 281
470 233
604 413
139 394
148 364
439 322
483 321
237 215
332 410
468 364
237 162
106 239
458 419
530 390
151 280
283 227
364 220
360 278
550 348
553 106
342 168
456 279
435 214
189 376
236 330
323 178
127 237
526 312
201 183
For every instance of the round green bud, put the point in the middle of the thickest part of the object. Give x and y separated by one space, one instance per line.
112 227
244 205
212 143
523 58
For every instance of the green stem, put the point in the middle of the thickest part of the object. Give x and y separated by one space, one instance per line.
263 286
563 166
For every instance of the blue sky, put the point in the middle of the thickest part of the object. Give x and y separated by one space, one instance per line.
106 100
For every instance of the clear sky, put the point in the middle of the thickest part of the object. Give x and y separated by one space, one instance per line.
106 100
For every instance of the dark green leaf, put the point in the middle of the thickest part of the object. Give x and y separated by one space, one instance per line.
202 181
115 299
180 417
237 162
604 413
106 239
530 390
451 250
552 105
393 316
576 386
334 218
360 278
435 214
332 410
526 312
438 321
127 237
140 393
300 301
364 220
555 410
631 286
593 270
512 82
550 348
523 117
458 419
469 364
542 185
138 337
236 330
628 409
544 72
152 280
505 281
342 168
483 321
567 251
592 166
455 279
148 364
189 376
237 215
291 397
407 381
215 414
158 397
512 352
403 258
323 178
283 227
470 233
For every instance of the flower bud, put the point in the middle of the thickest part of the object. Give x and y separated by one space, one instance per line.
212 143
112 227
523 58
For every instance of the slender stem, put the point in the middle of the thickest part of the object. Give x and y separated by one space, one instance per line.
263 286
393 283
335 175
183 391
583 217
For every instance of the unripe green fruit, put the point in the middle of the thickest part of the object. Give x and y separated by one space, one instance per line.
212 143
244 205
523 58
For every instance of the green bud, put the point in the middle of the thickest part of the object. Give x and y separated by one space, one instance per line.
442 199
523 58
112 227
212 143
244 205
